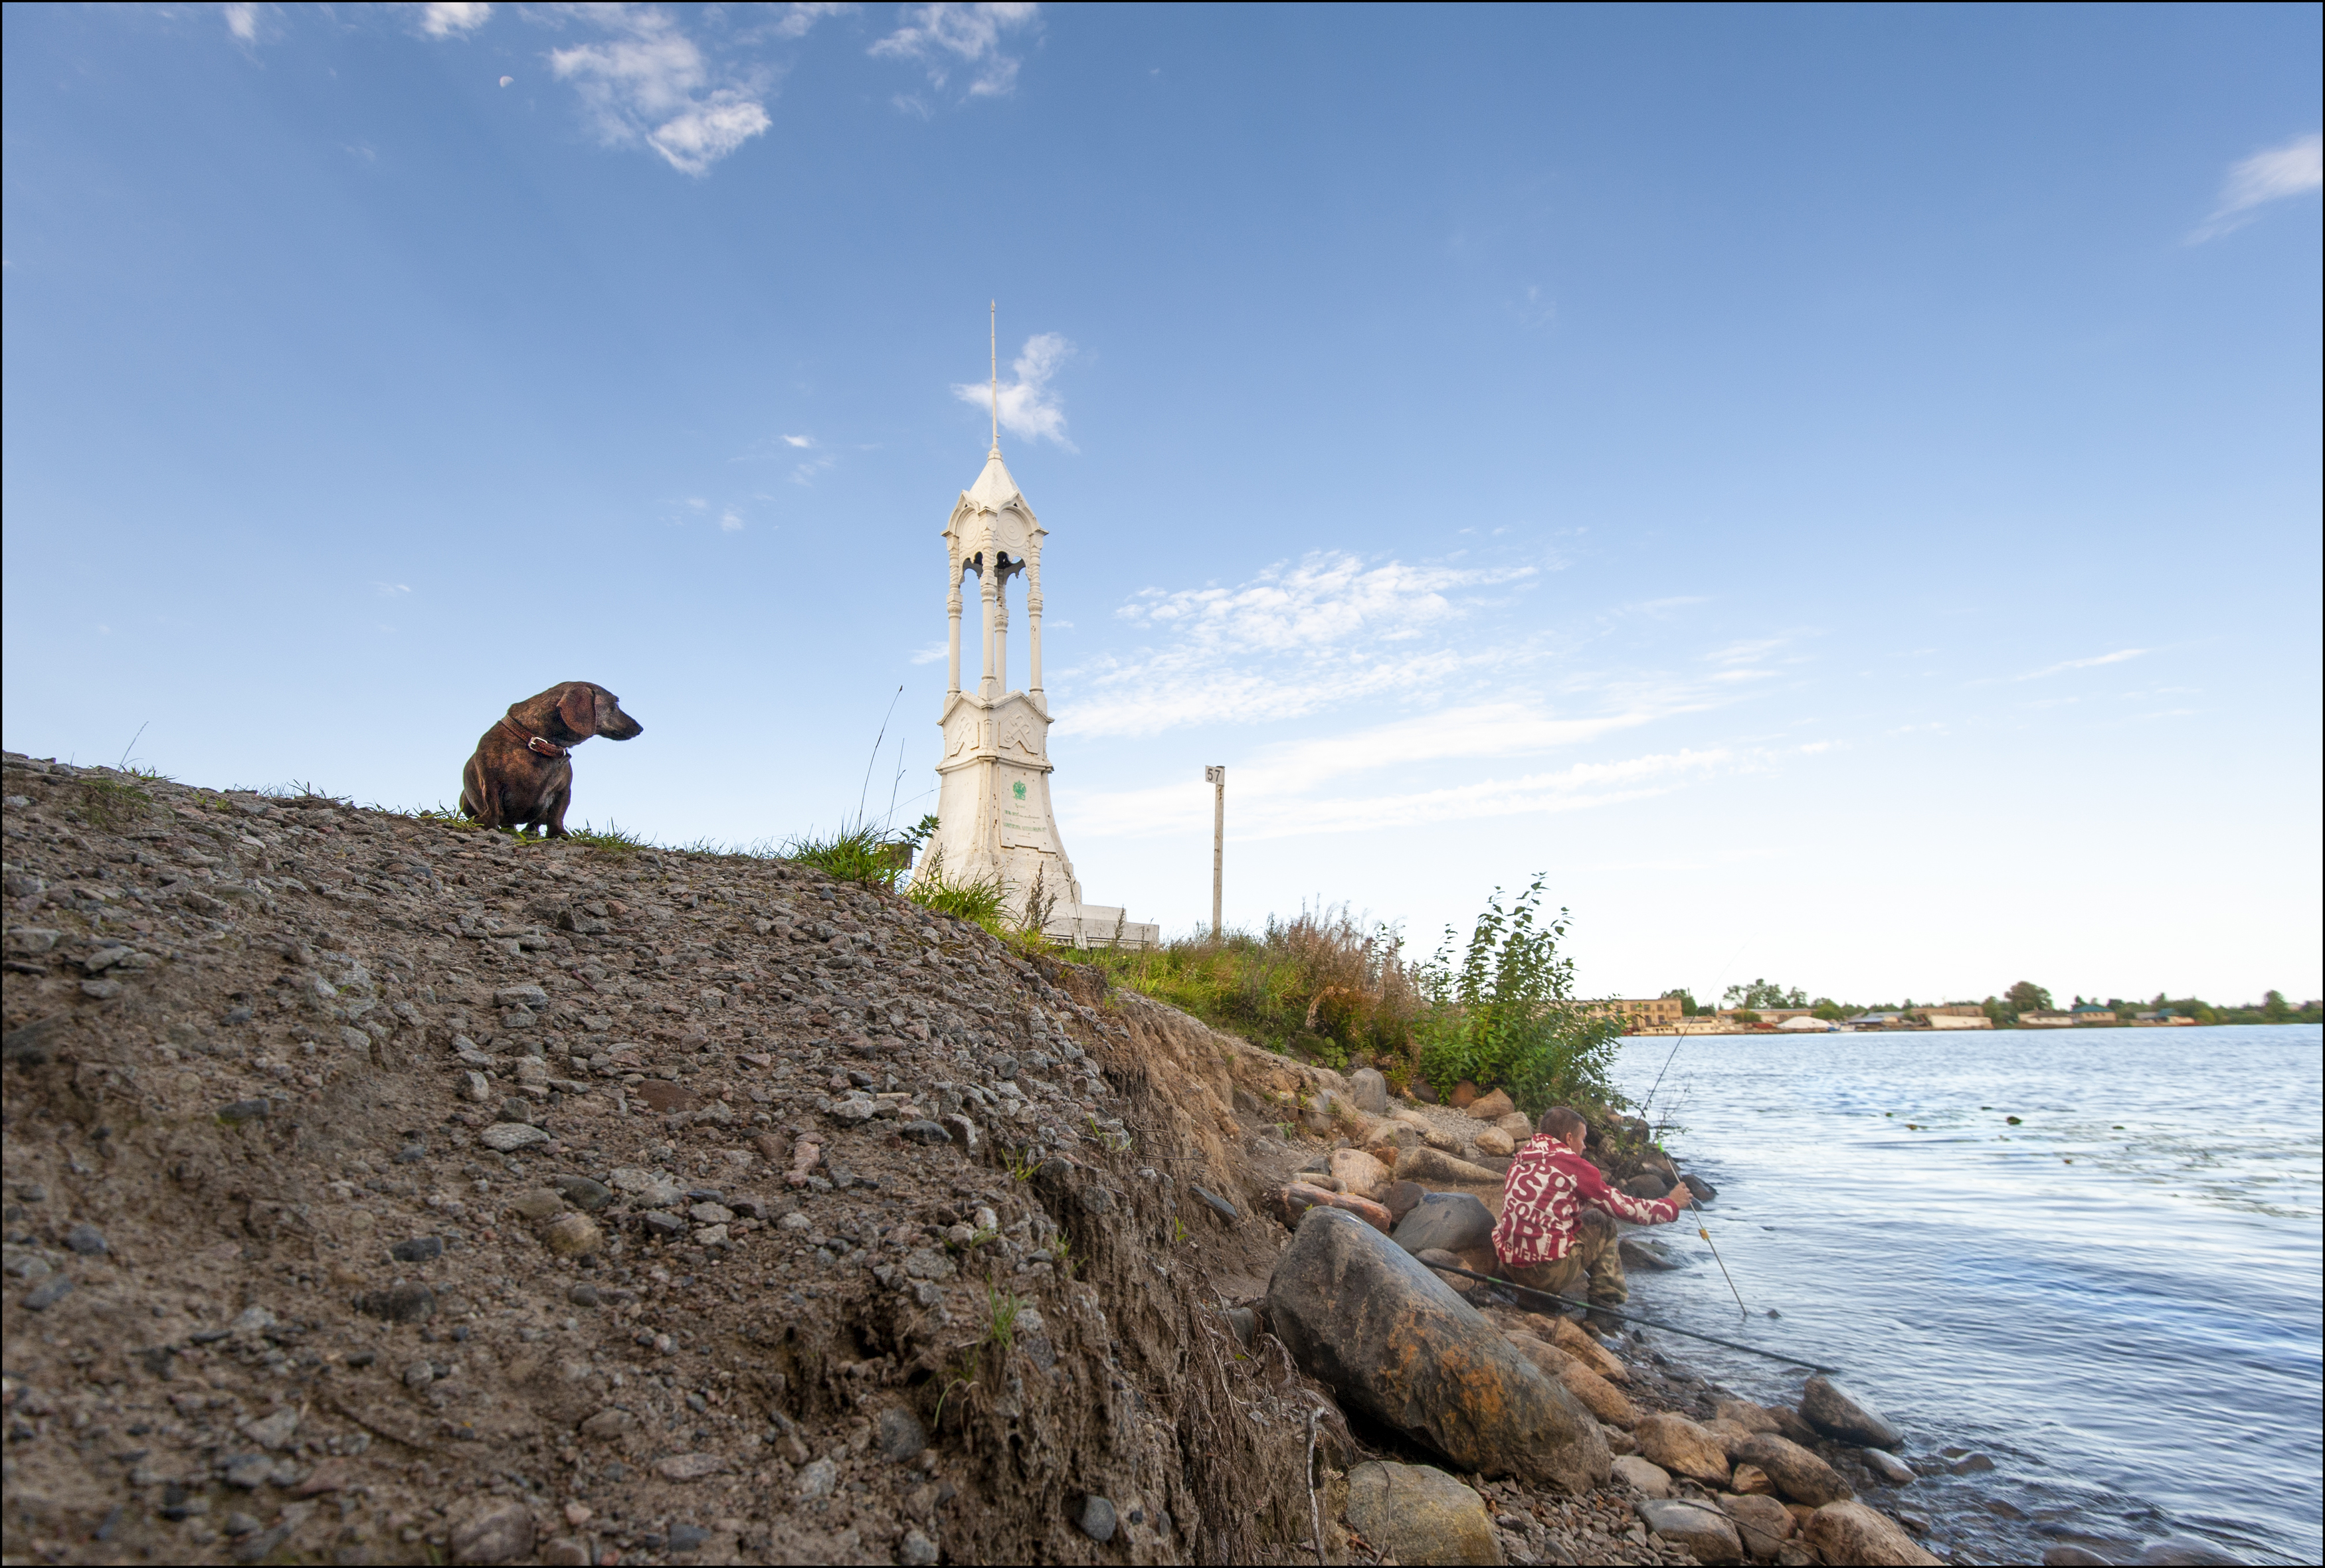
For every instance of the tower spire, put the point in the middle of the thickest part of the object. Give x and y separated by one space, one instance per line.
992 347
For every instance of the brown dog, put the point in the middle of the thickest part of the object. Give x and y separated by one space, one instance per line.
521 775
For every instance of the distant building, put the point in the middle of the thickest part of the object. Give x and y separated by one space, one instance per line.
2160 1017
1879 1020
1954 1010
2046 1021
2092 1013
1959 1017
1641 1014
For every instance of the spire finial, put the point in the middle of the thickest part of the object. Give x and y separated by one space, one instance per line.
993 345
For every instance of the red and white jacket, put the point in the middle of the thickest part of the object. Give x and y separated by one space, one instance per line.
1541 1199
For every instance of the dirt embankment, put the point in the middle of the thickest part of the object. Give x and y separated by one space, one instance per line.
380 1190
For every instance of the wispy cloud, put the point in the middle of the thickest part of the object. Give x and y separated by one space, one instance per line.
242 21
2292 169
1029 405
392 590
1298 638
799 440
2117 657
649 82
796 20
945 38
1265 808
453 18
730 521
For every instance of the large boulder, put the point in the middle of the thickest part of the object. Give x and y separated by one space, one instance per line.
1360 1172
1453 1222
1682 1448
1834 1411
1763 1524
1580 1343
1364 1317
1494 1141
1700 1528
1799 1475
1491 1107
1388 1137
1852 1533
1644 1476
1416 1513
1646 1184
1599 1396
1745 1414
1369 1091
1426 1164
1296 1199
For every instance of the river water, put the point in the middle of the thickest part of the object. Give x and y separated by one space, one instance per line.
2116 1299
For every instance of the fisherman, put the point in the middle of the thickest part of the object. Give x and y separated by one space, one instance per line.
1558 1215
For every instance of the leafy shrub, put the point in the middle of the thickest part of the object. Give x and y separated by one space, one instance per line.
1506 1015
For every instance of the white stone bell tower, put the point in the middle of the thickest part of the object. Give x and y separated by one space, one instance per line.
993 805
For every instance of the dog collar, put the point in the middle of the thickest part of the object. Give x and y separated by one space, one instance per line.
534 743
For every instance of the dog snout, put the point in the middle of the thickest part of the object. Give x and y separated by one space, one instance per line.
618 726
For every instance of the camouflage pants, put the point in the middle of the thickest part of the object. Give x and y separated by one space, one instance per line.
1594 1253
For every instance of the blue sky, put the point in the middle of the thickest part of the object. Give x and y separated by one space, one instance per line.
1836 489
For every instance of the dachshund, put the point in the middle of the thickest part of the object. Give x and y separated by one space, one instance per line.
521 775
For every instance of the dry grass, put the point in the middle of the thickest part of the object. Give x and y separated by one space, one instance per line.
1323 985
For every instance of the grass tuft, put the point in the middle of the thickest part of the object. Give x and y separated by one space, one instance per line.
861 853
110 802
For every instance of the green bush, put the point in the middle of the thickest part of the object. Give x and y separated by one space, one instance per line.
1506 1014
860 853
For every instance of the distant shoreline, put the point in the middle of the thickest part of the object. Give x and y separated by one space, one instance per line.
1732 1031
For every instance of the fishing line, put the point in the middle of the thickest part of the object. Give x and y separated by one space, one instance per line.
1626 1317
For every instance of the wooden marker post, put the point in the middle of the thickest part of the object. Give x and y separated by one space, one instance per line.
1216 778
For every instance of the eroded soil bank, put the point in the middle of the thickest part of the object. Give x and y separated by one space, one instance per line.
379 1190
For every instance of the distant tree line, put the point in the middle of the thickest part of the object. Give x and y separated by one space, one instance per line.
1759 995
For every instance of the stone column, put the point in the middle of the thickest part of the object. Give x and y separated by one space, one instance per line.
985 687
952 618
1034 621
1000 633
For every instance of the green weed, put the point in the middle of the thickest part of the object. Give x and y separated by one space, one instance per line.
110 803
853 855
981 901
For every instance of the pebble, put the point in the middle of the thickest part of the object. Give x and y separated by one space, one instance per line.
86 1240
902 1437
508 1137
1096 1518
419 1249
48 1292
398 1304
817 1480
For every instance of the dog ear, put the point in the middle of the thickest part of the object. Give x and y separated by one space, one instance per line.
579 708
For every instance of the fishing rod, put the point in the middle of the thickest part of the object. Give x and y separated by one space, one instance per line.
1626 1317
1703 1230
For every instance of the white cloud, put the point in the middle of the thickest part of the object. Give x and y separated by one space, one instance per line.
2117 657
799 440
649 83
1296 639
932 653
1028 406
797 19
242 21
1263 807
946 37
2292 169
730 521
391 590
453 18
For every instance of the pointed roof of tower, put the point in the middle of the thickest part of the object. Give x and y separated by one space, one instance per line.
994 488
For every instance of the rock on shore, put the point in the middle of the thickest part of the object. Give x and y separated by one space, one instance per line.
1369 1321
